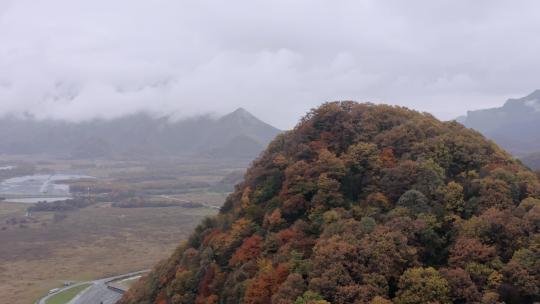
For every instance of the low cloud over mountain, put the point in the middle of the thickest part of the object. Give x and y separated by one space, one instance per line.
78 60
514 126
236 135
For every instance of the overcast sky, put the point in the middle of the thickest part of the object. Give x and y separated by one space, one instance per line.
78 59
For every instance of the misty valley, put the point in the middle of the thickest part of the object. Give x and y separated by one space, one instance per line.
76 220
269 152
66 217
100 210
38 187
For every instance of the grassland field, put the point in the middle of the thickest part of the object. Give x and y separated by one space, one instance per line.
67 295
40 252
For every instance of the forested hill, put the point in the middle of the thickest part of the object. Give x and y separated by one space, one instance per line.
365 204
235 135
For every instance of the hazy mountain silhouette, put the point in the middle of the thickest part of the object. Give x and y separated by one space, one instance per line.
532 160
235 135
515 126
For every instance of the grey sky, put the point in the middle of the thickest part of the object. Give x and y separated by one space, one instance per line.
78 59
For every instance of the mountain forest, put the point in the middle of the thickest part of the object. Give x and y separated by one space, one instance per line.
364 203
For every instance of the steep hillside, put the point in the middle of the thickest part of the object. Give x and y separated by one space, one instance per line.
365 204
514 126
236 135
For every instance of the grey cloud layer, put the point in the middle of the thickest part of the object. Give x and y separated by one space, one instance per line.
81 59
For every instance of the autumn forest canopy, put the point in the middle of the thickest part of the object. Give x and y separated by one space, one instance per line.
364 203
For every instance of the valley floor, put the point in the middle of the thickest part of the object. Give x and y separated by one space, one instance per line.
42 249
93 242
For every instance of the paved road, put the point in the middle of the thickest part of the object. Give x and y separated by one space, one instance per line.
97 293
45 298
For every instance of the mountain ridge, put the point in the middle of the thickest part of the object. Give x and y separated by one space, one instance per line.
137 135
513 126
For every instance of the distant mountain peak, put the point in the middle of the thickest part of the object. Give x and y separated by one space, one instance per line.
241 113
244 118
533 100
530 101
535 94
236 135
514 125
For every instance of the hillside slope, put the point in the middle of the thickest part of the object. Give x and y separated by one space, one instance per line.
365 204
235 135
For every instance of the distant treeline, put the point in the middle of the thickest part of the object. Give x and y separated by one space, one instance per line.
17 170
126 189
65 205
141 202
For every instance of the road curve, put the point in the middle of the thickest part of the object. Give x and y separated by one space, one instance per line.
97 292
